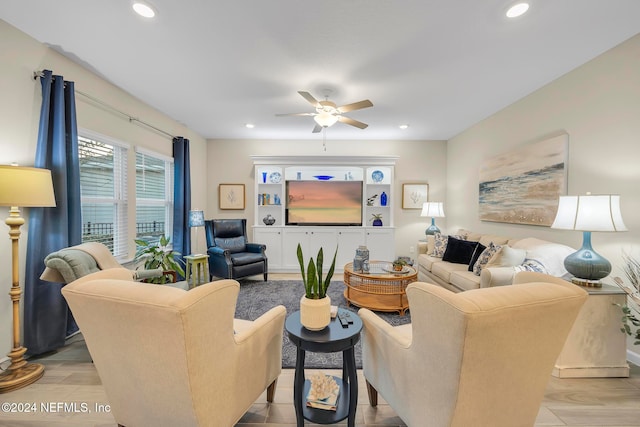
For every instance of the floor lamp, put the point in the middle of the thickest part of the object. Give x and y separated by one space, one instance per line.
21 187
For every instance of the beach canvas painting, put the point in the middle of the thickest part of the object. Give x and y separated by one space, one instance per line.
523 186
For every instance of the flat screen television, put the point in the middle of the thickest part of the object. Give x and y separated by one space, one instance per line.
323 203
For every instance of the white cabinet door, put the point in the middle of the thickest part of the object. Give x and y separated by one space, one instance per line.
348 241
381 245
311 239
272 239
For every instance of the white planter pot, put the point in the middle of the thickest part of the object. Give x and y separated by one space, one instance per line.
315 314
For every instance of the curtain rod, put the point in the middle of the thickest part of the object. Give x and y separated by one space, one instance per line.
129 117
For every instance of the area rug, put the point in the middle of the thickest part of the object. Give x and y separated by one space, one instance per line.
257 297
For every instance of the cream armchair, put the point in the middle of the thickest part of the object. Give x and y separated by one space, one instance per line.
168 357
479 358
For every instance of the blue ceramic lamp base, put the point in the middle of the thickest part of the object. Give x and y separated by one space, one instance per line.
586 265
432 229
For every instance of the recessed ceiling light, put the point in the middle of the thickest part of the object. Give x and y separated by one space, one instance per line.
517 9
403 127
249 125
144 9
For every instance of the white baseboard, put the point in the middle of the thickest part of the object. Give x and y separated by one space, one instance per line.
633 357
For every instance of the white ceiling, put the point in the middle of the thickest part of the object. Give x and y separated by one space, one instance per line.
438 65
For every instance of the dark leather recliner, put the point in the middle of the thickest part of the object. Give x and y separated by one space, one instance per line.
230 254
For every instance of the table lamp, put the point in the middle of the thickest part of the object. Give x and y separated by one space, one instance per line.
434 210
588 213
196 219
21 187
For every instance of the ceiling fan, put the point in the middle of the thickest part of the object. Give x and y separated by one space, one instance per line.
327 114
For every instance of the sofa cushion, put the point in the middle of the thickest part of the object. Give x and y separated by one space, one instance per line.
444 269
464 280
484 257
459 251
550 255
431 242
531 265
507 257
476 254
439 245
497 240
427 261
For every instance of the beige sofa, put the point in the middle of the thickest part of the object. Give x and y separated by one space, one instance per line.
534 255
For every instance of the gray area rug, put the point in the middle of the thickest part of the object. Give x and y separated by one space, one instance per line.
257 297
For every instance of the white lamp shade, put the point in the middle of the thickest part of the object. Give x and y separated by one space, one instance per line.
26 187
432 209
196 218
589 213
325 119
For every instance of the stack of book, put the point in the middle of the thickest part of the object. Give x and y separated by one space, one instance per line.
323 393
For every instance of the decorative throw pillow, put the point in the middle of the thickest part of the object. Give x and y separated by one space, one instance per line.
459 251
531 265
476 254
484 257
439 245
507 257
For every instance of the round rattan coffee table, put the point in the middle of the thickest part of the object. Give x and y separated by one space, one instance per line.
381 288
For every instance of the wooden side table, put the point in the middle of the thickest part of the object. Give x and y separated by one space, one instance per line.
595 347
331 339
197 263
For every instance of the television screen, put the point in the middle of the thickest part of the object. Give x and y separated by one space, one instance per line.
324 203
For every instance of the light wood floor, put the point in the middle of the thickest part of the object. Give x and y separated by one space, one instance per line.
70 377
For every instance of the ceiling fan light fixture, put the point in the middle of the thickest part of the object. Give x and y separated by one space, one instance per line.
143 9
517 9
325 119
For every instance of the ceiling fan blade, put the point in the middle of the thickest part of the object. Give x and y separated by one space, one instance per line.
316 129
310 98
349 121
355 106
295 114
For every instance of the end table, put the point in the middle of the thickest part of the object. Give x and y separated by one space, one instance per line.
195 264
331 339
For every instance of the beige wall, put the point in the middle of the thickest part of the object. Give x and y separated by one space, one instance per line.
419 161
20 56
598 105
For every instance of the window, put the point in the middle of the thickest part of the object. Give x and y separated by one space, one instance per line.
103 187
154 196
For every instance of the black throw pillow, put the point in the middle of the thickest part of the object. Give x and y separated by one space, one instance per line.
476 254
459 251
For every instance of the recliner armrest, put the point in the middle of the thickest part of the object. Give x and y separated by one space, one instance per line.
218 251
256 248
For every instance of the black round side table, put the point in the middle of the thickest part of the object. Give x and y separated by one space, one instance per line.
331 339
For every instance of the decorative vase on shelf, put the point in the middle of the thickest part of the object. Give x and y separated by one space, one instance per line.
383 199
269 220
376 220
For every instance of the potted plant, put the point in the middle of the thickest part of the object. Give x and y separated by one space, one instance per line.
315 304
398 264
631 313
376 220
158 256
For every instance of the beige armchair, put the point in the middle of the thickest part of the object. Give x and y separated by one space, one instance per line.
479 358
168 357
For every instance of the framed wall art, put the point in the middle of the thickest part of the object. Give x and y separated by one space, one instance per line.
523 186
414 195
231 196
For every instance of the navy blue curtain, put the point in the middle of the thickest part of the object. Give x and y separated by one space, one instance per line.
181 196
47 318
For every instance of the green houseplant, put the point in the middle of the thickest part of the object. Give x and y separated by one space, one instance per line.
158 256
631 312
315 304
